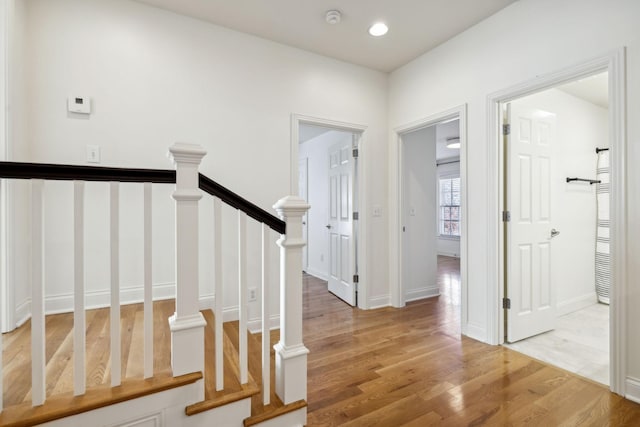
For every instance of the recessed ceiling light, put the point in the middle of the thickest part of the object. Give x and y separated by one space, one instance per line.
453 143
378 29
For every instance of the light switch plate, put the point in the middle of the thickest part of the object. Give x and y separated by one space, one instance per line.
93 154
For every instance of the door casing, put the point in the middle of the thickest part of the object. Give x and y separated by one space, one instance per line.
614 64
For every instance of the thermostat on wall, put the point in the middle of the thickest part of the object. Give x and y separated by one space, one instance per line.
79 104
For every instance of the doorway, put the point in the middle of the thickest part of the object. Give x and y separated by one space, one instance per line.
614 64
431 209
397 218
557 232
328 160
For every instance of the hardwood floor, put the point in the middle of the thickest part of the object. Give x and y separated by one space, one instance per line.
410 367
59 350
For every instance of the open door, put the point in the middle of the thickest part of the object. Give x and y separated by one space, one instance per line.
340 225
531 299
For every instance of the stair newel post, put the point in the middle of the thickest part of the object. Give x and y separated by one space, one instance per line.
187 323
291 354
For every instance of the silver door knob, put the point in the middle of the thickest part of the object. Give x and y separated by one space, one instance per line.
554 233
328 226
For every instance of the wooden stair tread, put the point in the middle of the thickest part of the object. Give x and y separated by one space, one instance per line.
233 390
273 411
65 405
225 398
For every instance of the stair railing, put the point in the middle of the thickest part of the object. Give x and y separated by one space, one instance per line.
291 354
187 323
38 174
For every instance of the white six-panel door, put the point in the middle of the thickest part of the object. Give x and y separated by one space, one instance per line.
529 242
341 247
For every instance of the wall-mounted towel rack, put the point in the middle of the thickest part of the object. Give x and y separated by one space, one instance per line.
601 149
590 181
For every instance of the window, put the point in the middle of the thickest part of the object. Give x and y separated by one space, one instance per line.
449 218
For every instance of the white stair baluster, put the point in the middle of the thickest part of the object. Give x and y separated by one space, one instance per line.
148 290
266 334
114 231
219 298
79 316
242 295
38 360
3 189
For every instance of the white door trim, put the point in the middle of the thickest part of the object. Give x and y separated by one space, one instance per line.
396 199
7 306
361 224
614 64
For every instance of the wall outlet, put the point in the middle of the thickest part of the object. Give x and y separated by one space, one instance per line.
253 294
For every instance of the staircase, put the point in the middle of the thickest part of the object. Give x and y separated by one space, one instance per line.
159 363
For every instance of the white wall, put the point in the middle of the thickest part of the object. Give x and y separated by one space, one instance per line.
449 246
526 39
17 292
155 78
420 214
317 151
580 128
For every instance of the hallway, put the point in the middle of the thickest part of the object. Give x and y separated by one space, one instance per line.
409 366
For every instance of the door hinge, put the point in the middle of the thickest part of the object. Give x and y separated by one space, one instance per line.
506 303
355 278
355 216
355 153
506 129
506 216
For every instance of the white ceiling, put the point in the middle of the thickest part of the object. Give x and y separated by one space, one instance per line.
307 132
415 26
593 89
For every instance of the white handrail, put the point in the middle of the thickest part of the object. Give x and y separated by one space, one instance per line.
38 359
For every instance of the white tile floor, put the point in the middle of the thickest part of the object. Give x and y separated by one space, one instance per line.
579 344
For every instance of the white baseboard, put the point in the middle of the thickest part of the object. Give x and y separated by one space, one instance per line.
255 325
379 301
577 303
476 332
422 293
230 314
632 389
317 273
23 312
450 254
63 303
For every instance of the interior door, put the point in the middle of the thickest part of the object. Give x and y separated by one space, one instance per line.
529 247
303 193
340 226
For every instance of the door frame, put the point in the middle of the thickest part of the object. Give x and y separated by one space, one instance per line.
613 63
7 305
359 226
397 200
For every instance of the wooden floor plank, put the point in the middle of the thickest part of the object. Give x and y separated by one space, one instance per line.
411 367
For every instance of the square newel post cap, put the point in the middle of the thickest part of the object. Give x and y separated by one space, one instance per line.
291 206
182 152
